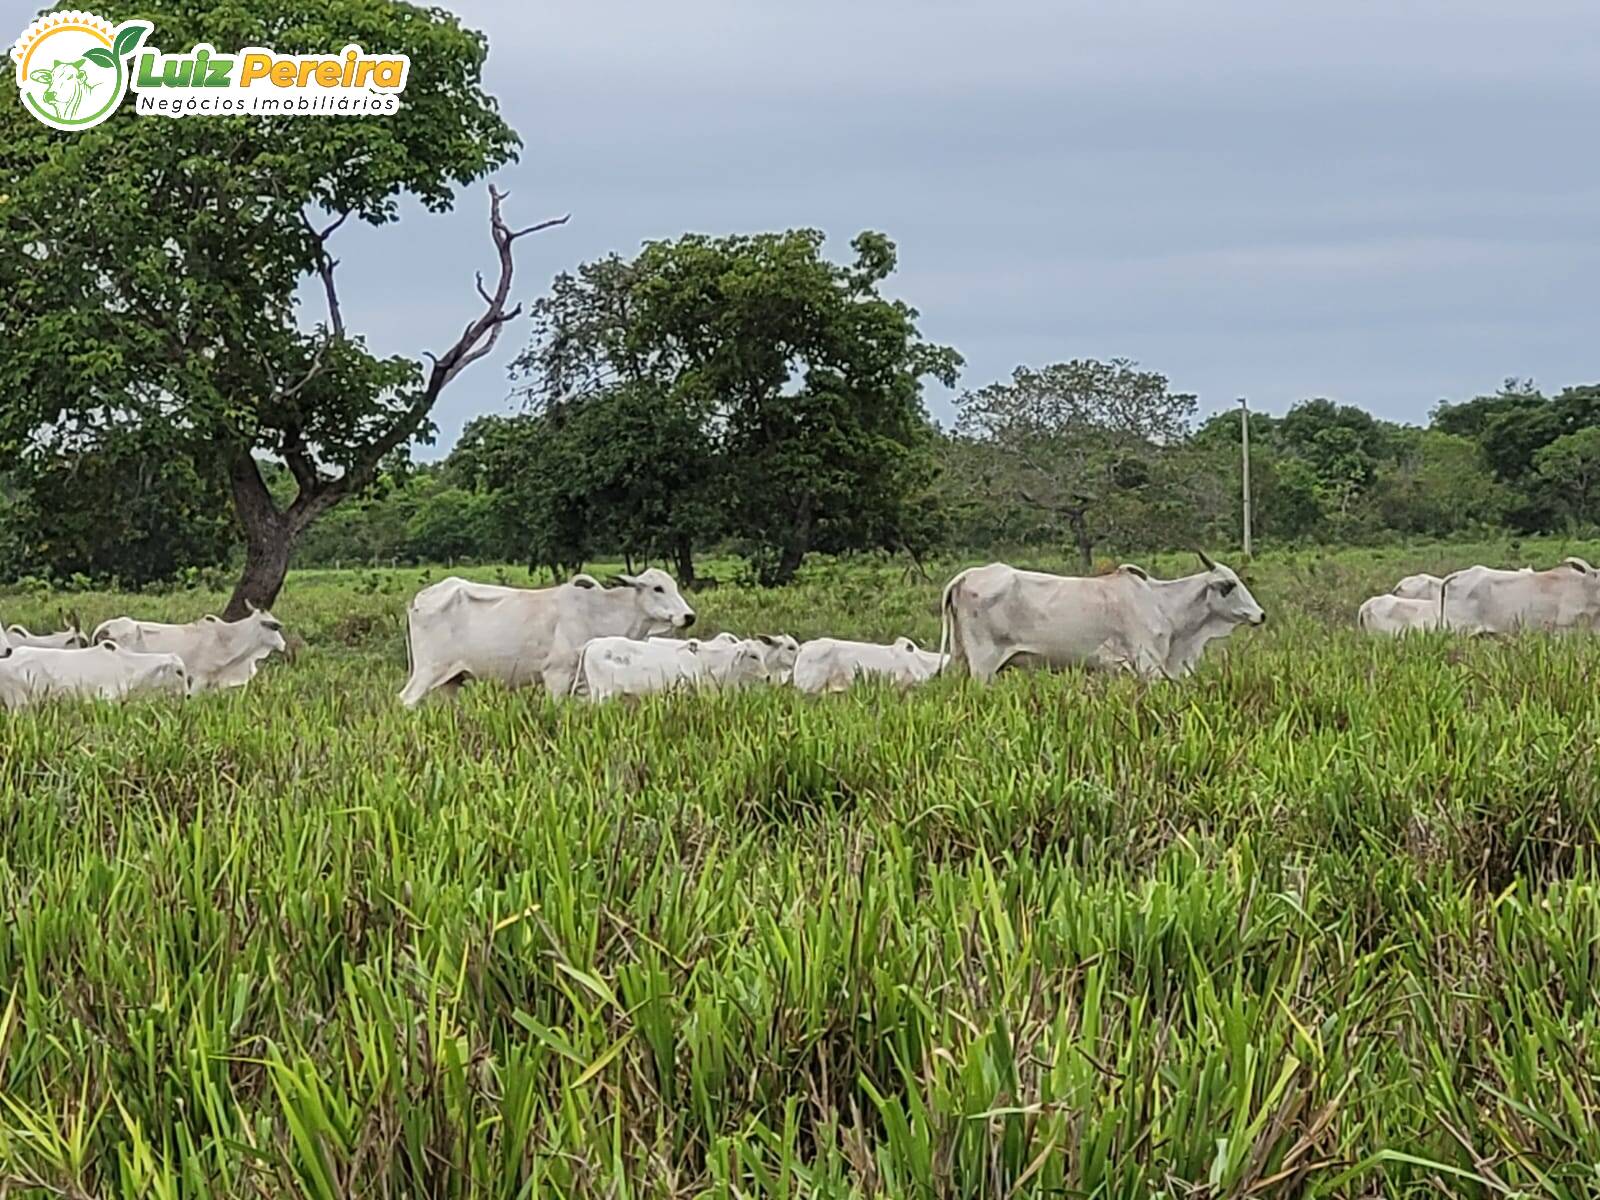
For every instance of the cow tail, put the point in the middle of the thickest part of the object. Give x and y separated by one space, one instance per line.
1361 616
411 658
1444 588
949 634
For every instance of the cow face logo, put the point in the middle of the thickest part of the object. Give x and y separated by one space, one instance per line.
73 68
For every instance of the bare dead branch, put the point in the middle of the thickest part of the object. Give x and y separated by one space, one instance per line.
553 221
476 341
325 266
324 234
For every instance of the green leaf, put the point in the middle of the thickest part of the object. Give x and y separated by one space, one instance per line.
100 57
127 40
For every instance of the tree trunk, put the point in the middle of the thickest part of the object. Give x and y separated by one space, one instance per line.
266 562
268 540
1080 537
683 559
797 543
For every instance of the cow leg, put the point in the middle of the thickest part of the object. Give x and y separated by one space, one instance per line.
986 664
424 680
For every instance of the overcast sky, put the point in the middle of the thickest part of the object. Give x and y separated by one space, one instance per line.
1385 203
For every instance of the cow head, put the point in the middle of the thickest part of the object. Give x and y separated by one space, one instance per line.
166 673
749 665
67 87
778 652
658 598
266 629
1417 587
1226 597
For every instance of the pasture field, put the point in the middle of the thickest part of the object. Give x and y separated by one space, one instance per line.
1322 920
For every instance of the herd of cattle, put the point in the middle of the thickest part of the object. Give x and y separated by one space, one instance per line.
1489 600
124 657
581 638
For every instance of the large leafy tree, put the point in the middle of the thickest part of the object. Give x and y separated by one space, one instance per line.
804 380
1344 445
149 268
619 471
1080 442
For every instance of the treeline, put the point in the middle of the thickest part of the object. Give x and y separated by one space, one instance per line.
1099 458
527 489
746 395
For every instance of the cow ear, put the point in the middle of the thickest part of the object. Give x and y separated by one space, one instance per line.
109 645
583 581
39 76
1135 570
766 639
1577 564
212 617
630 580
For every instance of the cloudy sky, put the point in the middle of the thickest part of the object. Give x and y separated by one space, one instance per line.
1385 203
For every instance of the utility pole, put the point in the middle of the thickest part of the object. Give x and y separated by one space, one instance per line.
1244 446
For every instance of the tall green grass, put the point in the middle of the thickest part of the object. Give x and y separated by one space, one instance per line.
1321 920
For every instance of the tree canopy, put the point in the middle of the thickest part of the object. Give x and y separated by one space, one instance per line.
1075 440
774 386
149 269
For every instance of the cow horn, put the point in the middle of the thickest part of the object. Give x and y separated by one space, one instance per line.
1206 558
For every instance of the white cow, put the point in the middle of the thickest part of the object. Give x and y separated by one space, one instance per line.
622 666
998 616
774 655
1394 615
5 642
216 653
67 639
107 671
458 630
833 664
618 666
1484 600
1426 587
